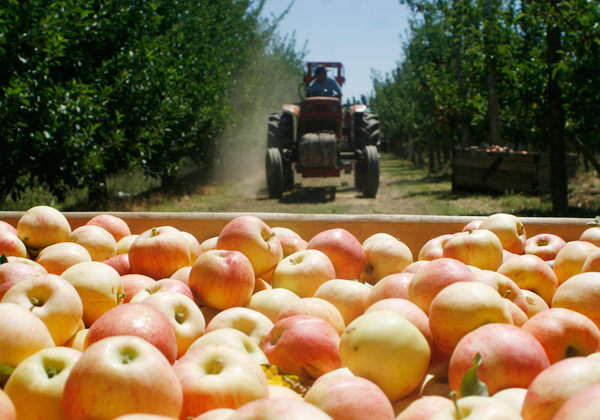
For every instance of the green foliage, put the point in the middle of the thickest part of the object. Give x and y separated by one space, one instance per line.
89 89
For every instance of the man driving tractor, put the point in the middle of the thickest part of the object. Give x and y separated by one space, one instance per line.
323 85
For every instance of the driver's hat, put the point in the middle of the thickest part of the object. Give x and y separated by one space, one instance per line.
320 69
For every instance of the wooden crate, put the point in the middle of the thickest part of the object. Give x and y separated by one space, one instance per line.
503 171
413 230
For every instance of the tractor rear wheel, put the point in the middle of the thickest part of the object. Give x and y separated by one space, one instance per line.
359 174
274 170
371 171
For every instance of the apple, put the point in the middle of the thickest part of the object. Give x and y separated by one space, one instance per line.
159 252
392 286
480 248
7 408
160 286
513 397
570 259
10 244
424 408
435 276
183 314
581 293
592 262
544 245
222 279
116 226
218 376
553 387
478 407
36 386
591 234
504 285
535 304
139 320
99 287
253 238
434 248
232 338
193 245
387 349
260 284
59 257
303 345
209 313
408 310
472 225
282 391
183 274
252 323
7 226
133 283
343 249
511 357
271 302
121 375
303 272
349 297
41 226
77 342
532 273
413 267
581 406
209 243
283 232
519 318
23 336
378 236
564 333
384 257
290 245
29 262
98 241
125 243
52 299
120 263
509 230
214 414
14 272
143 417
315 307
350 398
279 409
463 307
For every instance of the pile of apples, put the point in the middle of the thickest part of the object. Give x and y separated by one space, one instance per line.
259 323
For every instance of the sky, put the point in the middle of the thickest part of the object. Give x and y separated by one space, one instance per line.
364 35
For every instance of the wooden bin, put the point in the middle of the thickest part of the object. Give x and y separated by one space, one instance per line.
414 231
504 171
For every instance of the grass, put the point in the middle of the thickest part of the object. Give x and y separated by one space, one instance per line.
405 188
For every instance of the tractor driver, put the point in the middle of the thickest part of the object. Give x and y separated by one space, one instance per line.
324 85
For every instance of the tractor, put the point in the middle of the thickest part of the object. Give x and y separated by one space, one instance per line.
318 137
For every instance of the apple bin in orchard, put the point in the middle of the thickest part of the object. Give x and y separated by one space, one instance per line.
149 316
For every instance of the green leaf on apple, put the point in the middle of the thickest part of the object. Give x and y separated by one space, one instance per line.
3 258
471 385
5 372
595 223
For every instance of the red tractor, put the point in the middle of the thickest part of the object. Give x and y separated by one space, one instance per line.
319 137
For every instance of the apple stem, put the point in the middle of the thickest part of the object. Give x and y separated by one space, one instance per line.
147 289
293 261
121 296
179 317
34 302
52 372
153 231
217 366
508 292
520 229
470 231
270 235
454 398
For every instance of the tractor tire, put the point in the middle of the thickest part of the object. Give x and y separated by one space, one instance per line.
274 170
371 171
280 132
273 134
366 130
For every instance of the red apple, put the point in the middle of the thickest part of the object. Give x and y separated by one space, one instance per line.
7 226
392 286
504 285
480 248
412 268
253 238
218 376
530 272
222 279
581 293
424 408
11 245
384 257
252 323
159 252
509 230
581 406
116 226
139 320
434 248
59 257
164 285
121 375
592 235
183 274
7 408
564 333
592 262
13 272
472 225
133 283
343 249
315 307
306 346
232 338
279 409
120 263
511 357
435 276
350 398
544 245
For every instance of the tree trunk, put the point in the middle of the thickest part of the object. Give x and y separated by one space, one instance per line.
556 126
431 148
494 105
465 120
